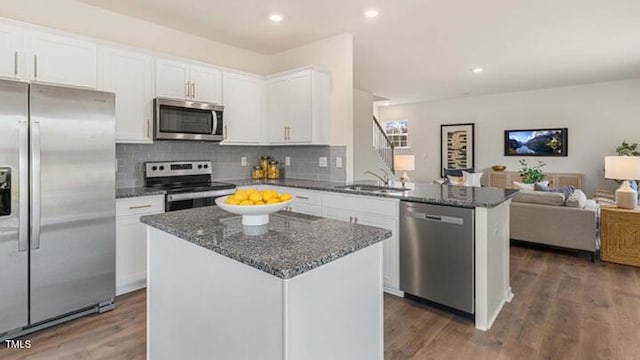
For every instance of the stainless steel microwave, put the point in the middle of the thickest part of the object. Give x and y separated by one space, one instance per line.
187 120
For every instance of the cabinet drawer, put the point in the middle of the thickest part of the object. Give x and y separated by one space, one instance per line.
306 209
140 205
300 196
361 203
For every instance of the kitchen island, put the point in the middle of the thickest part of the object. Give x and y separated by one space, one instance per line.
300 287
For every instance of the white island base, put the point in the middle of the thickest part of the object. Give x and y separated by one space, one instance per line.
202 305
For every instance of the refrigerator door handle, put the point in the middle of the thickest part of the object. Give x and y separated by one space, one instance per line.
35 185
23 141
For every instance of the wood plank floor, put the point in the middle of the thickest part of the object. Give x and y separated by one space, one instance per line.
565 308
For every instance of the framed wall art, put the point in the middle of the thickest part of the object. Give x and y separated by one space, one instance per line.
456 147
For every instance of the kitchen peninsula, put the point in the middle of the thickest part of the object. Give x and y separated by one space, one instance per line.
300 287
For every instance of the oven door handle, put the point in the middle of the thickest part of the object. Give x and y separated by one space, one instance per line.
199 195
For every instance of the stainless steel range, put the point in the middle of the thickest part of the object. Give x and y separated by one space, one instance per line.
188 183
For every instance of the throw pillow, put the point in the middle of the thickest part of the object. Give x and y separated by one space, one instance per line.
523 186
577 200
566 190
472 179
455 172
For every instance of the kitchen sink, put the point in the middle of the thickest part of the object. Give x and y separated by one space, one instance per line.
371 188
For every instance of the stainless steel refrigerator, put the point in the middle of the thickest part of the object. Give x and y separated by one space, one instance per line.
57 205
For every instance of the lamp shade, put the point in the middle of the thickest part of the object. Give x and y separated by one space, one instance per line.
404 162
622 167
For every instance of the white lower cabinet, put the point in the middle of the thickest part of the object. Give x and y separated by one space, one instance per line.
131 240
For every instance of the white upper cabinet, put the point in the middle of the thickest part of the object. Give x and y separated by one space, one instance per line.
301 114
130 76
63 60
243 99
11 52
278 112
298 107
207 84
172 79
182 80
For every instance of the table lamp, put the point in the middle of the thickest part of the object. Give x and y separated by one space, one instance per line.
404 163
623 168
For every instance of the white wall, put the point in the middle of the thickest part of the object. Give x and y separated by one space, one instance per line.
364 155
334 54
75 17
599 116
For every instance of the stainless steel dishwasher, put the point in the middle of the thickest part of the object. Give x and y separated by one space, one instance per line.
437 254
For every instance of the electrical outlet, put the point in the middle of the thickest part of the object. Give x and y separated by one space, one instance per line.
287 160
243 161
339 162
322 161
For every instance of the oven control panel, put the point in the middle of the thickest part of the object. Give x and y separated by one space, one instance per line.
177 168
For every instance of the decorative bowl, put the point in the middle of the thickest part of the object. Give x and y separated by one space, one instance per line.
498 167
252 215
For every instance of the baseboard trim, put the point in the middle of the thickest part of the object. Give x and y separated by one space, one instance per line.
394 292
131 286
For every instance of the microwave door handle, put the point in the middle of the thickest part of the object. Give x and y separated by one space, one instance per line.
215 122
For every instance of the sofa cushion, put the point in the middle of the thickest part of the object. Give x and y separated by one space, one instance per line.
523 186
455 172
539 197
577 200
472 179
566 190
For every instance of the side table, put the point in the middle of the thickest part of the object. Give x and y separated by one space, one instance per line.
620 235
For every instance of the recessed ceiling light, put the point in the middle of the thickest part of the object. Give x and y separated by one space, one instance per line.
477 70
371 13
276 18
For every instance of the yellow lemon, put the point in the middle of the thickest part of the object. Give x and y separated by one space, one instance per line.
259 202
231 200
255 197
242 197
268 195
273 201
246 202
285 196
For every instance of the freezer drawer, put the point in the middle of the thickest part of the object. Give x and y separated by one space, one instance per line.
437 254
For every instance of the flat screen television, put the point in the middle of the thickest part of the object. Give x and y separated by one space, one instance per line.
536 142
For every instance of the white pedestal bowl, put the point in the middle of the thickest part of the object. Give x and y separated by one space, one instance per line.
252 215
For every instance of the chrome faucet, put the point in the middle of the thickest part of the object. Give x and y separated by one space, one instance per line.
386 179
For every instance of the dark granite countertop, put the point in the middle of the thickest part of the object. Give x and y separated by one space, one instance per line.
289 245
137 191
460 196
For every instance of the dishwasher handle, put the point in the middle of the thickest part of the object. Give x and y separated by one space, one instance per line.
437 218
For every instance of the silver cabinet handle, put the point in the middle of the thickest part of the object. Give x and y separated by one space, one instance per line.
35 66
355 219
139 207
35 185
193 92
23 232
187 89
350 219
288 132
225 132
15 64
285 133
302 197
149 128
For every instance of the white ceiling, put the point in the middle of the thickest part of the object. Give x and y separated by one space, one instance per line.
425 49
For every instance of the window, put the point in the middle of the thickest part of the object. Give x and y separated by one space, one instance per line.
398 132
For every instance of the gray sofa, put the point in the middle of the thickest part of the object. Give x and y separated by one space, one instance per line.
550 219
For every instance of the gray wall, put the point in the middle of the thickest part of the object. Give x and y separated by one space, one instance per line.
599 116
364 155
226 160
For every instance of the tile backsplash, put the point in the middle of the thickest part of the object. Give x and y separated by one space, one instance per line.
226 160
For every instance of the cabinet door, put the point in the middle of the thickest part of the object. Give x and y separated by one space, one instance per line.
391 248
10 51
207 84
306 209
300 113
172 79
131 254
130 76
62 60
243 108
278 114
